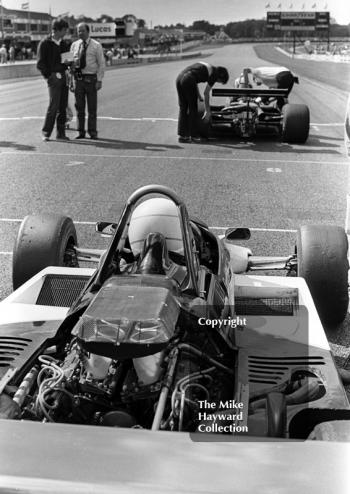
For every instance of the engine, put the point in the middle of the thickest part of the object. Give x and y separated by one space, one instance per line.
242 116
136 358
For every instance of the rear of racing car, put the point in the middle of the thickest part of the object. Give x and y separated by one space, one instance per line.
201 346
251 112
277 378
282 378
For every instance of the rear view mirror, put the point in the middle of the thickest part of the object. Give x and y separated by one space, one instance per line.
105 228
237 234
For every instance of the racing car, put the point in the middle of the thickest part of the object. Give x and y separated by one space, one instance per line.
172 330
249 111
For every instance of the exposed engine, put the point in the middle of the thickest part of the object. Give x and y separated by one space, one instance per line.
90 389
136 358
245 116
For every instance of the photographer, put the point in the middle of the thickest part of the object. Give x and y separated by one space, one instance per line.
89 66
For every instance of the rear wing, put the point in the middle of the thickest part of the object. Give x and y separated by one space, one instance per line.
228 92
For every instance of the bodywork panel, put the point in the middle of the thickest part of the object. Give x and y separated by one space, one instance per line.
85 459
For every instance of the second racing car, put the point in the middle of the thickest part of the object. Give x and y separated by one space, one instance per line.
252 110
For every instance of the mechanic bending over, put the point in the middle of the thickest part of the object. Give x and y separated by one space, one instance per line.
188 93
272 77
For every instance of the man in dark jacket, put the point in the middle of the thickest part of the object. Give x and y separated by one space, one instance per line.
54 71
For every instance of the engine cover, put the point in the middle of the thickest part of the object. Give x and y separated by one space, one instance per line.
128 320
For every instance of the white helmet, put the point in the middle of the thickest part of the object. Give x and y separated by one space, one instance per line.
156 215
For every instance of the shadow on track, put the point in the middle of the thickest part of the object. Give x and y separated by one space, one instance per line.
16 146
120 144
271 144
326 138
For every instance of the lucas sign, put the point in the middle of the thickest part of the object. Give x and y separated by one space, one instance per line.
102 29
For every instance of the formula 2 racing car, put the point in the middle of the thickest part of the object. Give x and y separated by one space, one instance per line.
172 331
251 111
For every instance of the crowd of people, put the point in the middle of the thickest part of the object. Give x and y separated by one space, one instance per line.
12 53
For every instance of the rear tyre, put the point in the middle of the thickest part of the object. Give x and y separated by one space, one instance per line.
43 241
323 263
295 124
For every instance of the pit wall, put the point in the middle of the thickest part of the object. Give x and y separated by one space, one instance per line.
18 70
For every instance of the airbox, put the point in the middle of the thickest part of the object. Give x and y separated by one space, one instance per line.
128 321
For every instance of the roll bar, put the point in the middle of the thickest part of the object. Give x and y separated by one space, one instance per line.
125 218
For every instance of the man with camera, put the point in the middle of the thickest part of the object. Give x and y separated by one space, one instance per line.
89 66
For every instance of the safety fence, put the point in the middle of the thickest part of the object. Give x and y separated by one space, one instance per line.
20 70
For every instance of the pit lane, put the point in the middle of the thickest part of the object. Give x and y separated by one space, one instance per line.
262 183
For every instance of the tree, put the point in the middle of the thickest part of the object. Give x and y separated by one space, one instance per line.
83 18
105 18
249 28
340 31
204 26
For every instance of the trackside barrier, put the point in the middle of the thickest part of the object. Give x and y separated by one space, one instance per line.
13 71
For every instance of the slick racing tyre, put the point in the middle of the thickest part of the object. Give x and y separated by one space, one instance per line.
203 127
295 123
43 241
323 263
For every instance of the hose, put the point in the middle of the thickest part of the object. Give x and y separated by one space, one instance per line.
204 356
25 386
165 390
47 384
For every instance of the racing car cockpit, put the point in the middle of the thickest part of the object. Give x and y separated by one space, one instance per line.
155 226
154 234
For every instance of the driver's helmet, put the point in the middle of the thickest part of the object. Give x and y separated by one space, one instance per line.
156 215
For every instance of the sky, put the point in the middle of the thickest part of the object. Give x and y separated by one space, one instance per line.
163 12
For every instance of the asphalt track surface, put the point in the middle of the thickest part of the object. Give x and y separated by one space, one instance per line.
269 186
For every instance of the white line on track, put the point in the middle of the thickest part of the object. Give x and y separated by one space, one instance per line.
90 223
139 119
10 220
273 230
327 124
182 158
149 119
278 230
116 119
